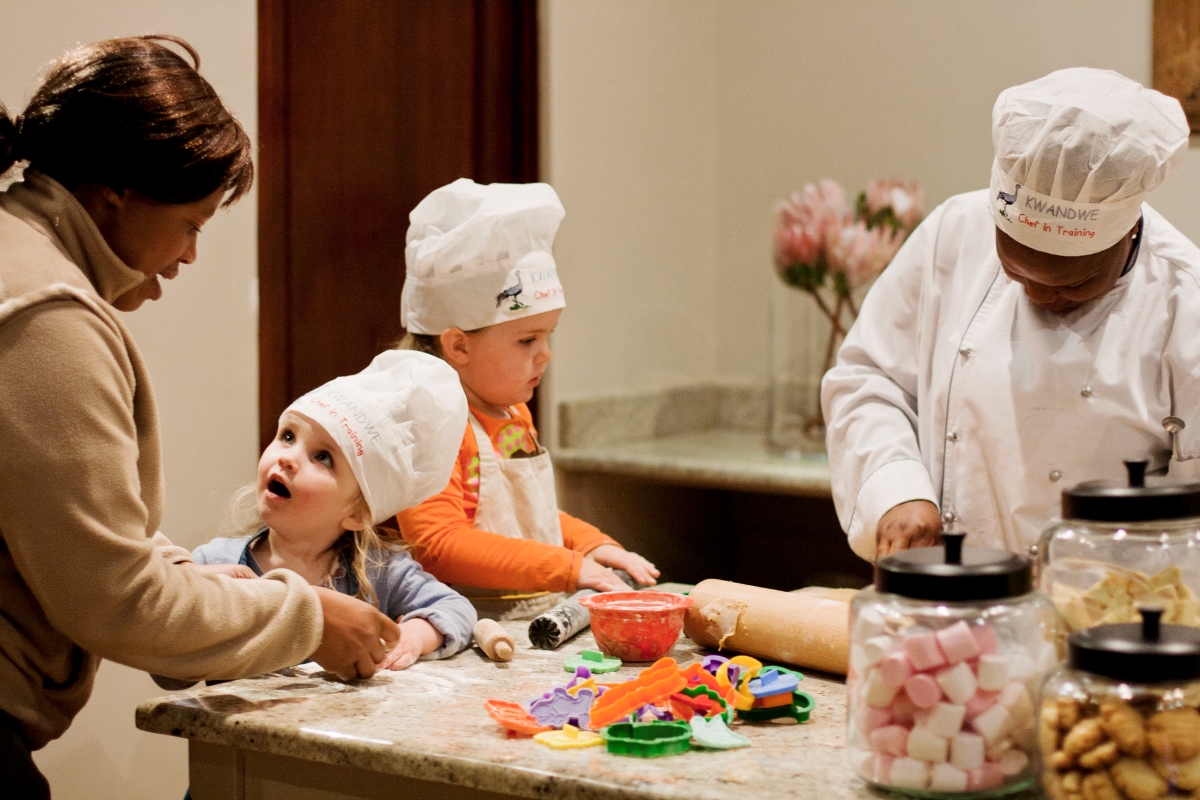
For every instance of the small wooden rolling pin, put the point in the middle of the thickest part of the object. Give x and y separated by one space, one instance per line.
807 629
493 640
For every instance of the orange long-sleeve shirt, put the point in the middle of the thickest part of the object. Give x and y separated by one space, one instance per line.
447 544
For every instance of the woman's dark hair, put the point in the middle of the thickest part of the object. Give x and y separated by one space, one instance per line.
131 114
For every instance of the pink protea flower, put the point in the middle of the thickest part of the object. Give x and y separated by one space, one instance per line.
861 254
907 201
807 222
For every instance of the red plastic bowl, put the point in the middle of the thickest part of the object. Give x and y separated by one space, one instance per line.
636 626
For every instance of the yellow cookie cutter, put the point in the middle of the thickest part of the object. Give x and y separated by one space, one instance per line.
569 738
743 700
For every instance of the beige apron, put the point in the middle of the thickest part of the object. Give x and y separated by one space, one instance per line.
516 499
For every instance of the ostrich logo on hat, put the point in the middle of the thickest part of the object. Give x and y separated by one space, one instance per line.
1008 200
514 292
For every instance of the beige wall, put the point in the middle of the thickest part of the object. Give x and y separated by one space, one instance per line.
200 343
673 128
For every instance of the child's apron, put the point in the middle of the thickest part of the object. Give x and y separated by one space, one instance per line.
516 499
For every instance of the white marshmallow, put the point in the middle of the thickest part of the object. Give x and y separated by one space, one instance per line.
927 746
857 739
859 660
997 750
875 648
869 623
993 672
877 693
909 773
1013 762
946 719
966 751
993 724
861 761
1022 668
946 778
958 682
1016 699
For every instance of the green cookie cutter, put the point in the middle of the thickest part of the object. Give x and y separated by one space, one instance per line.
799 709
697 691
713 733
594 660
648 739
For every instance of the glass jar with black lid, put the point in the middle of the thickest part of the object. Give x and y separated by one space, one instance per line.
947 651
1123 544
1120 719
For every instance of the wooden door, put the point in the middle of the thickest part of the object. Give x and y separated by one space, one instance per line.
365 106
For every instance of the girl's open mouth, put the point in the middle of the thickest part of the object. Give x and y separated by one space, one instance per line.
277 488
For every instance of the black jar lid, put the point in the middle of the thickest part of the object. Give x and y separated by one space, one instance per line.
953 572
1139 652
1139 500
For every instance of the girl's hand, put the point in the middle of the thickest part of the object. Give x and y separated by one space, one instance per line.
638 568
232 570
417 637
602 579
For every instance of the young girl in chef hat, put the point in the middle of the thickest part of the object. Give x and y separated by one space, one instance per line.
482 293
346 457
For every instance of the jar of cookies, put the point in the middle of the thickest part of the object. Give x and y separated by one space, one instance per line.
1123 544
947 651
1120 720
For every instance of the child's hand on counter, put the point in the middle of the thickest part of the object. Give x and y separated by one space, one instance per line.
417 637
599 578
232 570
641 570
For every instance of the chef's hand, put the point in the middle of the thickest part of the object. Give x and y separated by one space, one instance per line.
355 637
641 570
232 570
598 577
417 637
916 523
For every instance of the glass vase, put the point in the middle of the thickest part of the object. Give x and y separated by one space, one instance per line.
800 334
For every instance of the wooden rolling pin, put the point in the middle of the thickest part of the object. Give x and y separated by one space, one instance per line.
801 628
493 640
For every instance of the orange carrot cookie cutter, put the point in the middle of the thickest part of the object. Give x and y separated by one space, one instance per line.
654 684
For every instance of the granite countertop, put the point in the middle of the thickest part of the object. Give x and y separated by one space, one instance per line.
428 722
721 459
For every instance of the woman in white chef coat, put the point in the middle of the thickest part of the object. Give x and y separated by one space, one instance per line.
1027 337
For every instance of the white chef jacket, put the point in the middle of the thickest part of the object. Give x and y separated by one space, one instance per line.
953 388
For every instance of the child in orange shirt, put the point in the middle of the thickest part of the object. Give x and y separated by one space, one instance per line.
482 293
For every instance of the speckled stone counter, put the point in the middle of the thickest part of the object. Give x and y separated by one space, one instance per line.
427 724
720 459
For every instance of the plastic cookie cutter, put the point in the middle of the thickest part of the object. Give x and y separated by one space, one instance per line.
697 676
648 739
799 709
656 683
569 738
706 702
772 681
513 717
594 660
711 662
558 707
589 684
712 732
649 713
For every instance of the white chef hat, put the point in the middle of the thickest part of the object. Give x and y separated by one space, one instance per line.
479 255
1076 151
399 423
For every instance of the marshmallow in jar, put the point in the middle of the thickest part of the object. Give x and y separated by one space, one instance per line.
1120 720
947 651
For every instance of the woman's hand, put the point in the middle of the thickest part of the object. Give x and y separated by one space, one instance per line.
916 523
355 636
232 570
600 578
641 570
417 637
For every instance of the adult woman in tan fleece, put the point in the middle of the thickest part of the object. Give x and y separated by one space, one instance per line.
129 152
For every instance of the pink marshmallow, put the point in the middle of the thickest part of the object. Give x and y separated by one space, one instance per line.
891 740
895 669
958 682
923 651
902 709
923 690
868 718
957 642
988 776
883 768
980 702
985 637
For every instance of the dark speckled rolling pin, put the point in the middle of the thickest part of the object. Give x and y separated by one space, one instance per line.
566 619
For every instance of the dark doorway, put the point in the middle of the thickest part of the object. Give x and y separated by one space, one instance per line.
364 108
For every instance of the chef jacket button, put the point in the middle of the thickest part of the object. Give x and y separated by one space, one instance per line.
1087 391
1055 475
965 352
948 517
951 437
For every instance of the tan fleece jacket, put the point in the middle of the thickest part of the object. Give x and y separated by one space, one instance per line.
84 573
